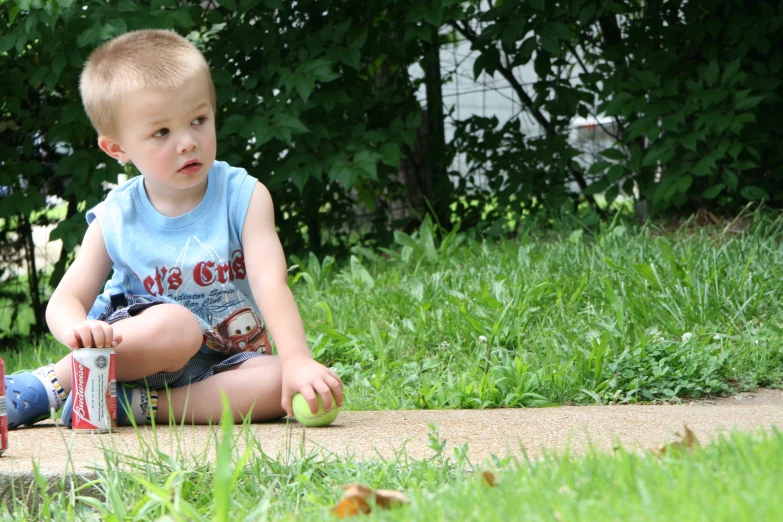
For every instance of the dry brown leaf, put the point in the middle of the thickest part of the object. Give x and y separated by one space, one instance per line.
350 507
687 442
387 499
357 497
690 438
489 479
357 490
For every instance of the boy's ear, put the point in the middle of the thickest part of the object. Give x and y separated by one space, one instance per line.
112 148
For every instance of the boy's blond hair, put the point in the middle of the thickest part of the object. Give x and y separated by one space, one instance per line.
146 59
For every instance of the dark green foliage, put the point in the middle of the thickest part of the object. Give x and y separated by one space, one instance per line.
316 100
693 88
319 108
696 86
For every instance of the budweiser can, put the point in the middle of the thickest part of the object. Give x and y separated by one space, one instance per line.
3 412
94 389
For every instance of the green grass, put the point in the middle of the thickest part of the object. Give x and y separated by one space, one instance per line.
734 479
622 314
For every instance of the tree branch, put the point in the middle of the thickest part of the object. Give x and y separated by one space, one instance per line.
527 101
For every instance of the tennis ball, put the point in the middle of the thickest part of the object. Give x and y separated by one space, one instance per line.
307 418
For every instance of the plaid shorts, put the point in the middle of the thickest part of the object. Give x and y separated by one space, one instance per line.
205 363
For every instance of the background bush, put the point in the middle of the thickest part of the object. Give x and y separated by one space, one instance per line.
316 100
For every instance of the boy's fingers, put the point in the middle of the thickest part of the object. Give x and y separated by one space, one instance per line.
92 334
110 338
336 377
286 404
87 337
108 334
72 341
83 336
336 386
97 337
326 394
312 401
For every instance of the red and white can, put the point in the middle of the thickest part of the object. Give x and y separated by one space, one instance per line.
94 389
3 411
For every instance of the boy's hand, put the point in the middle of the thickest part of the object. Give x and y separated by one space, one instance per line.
308 377
92 334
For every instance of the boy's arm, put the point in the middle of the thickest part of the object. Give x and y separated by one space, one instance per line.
268 277
66 313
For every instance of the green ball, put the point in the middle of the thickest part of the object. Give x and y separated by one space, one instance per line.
307 418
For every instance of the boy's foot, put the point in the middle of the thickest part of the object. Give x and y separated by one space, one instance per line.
139 402
27 399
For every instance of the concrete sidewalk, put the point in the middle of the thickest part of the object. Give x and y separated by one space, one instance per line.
383 434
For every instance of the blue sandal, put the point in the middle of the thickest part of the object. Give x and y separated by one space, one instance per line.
26 400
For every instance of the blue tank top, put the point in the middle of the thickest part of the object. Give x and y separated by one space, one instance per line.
195 260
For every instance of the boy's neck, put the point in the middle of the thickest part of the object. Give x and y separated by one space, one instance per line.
175 203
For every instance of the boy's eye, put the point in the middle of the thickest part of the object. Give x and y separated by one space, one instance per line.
198 121
161 133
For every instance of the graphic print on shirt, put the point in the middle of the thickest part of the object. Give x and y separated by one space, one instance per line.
203 282
242 331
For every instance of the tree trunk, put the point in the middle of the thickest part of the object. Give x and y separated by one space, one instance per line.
311 201
436 185
33 285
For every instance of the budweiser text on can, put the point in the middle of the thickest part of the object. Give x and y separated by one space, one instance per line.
3 412
94 389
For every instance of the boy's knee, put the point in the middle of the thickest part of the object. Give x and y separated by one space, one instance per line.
180 325
188 324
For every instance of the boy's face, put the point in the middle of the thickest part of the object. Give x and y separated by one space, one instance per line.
168 135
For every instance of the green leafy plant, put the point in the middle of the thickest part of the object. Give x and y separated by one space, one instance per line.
316 103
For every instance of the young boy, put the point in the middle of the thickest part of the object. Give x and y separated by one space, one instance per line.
194 254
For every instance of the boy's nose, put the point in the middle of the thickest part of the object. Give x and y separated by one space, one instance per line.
186 144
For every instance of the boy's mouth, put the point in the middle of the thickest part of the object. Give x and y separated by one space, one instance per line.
191 167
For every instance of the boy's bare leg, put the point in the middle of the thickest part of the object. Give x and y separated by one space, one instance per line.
253 386
162 338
